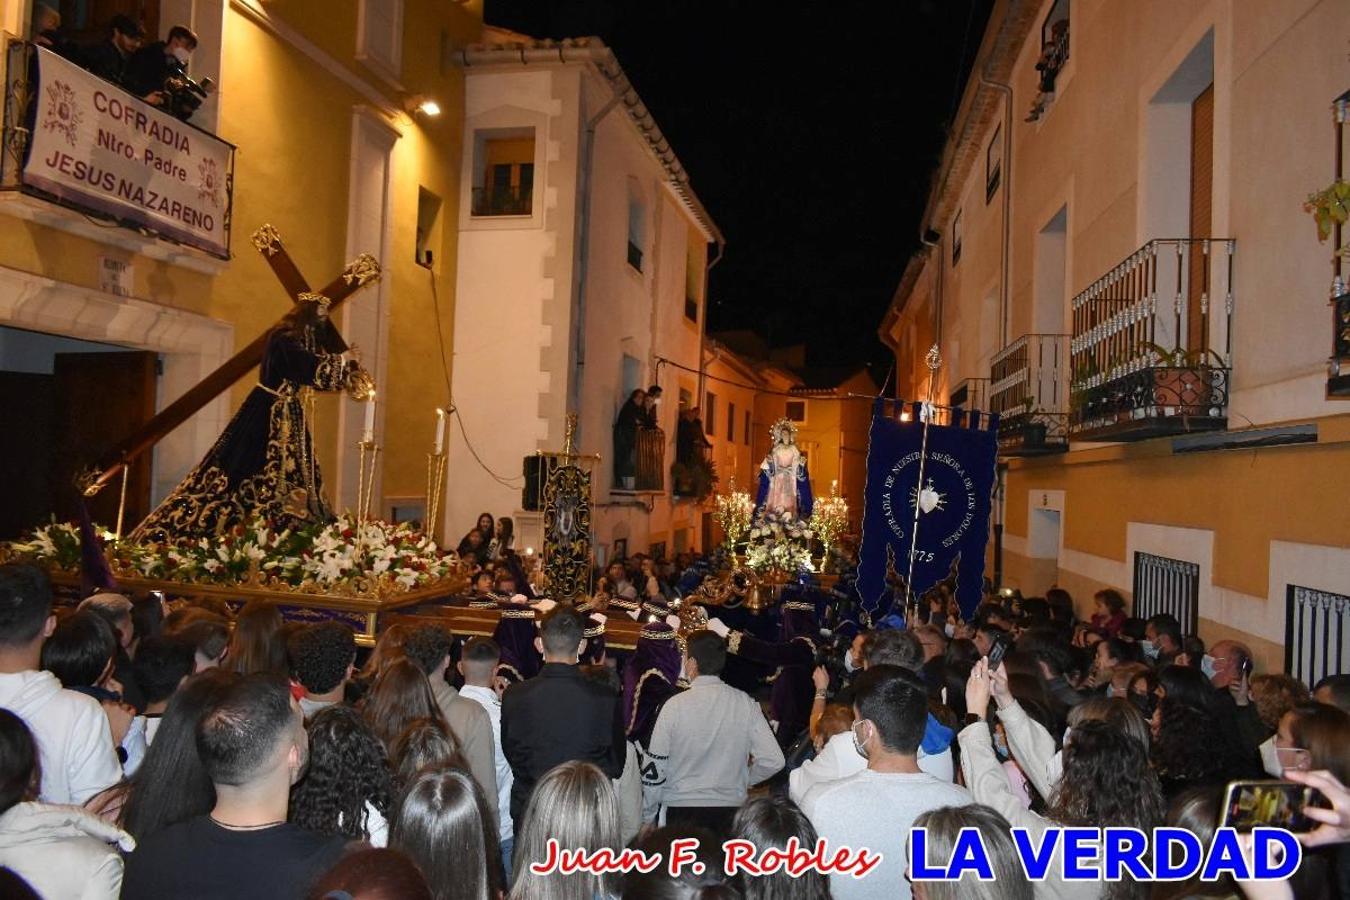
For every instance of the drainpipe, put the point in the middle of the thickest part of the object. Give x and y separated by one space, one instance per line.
1002 468
703 330
1007 92
942 265
583 254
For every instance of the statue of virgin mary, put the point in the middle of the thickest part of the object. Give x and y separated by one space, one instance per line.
784 484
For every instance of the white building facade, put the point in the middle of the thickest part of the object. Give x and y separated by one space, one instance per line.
581 276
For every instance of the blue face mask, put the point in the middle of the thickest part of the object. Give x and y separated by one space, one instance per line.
1150 649
1207 667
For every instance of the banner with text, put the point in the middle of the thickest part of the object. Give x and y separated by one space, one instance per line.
942 519
96 146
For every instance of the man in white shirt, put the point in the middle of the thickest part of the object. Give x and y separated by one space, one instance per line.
709 745
478 666
838 758
73 734
875 808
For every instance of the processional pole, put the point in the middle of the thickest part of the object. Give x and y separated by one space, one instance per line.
927 412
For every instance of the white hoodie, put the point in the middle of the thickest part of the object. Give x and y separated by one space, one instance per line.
839 759
73 738
63 851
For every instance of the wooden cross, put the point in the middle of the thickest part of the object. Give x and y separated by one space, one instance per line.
358 273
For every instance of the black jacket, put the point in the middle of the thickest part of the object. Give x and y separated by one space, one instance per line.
555 717
106 61
146 70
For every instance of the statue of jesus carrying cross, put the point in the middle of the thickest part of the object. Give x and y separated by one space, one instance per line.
263 465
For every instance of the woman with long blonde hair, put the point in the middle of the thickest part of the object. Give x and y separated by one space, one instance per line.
574 804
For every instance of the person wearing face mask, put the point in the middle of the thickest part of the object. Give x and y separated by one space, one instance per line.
149 67
874 808
1229 666
254 748
1162 639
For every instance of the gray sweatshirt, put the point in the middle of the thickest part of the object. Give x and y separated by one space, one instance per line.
709 745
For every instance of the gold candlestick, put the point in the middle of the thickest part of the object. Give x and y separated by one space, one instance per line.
435 486
365 483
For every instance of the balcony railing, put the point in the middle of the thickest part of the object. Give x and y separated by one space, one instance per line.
1151 352
640 460
503 200
1029 389
1338 384
75 140
970 394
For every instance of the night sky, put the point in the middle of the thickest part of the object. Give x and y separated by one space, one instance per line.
810 132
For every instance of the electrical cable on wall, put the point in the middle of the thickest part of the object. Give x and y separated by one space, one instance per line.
514 484
661 360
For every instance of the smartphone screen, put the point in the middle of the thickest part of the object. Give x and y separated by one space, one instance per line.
996 653
1278 804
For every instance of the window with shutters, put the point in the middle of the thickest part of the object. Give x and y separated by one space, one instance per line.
379 36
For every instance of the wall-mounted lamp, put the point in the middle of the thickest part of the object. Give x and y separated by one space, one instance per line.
420 103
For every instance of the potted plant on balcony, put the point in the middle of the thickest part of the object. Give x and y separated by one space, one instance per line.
1330 207
1181 378
694 477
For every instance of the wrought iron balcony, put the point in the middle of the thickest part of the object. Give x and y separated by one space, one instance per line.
503 200
970 394
1151 352
640 460
1338 382
1029 389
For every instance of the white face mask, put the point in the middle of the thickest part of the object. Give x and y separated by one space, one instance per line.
857 744
1110 690
849 666
950 629
1270 759
1207 666
181 54
1150 649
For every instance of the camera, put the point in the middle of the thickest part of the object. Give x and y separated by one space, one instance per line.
183 94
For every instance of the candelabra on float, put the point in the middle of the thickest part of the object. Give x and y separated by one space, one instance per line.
435 477
369 452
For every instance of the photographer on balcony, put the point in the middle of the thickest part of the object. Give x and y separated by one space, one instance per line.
158 74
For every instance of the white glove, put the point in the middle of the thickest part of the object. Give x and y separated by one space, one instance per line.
543 604
633 613
597 618
673 621
719 627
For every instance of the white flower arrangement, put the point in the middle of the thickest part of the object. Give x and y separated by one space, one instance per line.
326 556
779 542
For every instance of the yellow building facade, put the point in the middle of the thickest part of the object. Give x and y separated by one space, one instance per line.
326 104
1119 265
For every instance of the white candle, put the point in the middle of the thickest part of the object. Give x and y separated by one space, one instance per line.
440 431
368 434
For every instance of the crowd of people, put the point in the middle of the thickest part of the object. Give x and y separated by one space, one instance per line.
198 752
